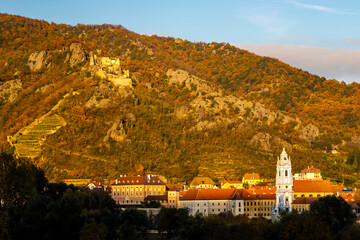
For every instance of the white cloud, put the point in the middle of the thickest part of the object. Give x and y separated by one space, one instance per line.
267 20
339 64
320 8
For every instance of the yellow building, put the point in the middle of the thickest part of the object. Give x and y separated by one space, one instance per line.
309 173
251 179
231 184
173 194
311 188
258 204
302 204
133 190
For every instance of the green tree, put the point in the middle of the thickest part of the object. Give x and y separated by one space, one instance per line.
353 157
19 182
132 224
171 220
294 226
333 211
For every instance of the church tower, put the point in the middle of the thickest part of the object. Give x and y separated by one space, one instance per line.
284 185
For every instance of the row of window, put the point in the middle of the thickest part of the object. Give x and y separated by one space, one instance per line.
259 204
310 195
258 209
128 201
146 188
136 193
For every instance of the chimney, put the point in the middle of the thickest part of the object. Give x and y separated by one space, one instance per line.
116 181
121 175
149 176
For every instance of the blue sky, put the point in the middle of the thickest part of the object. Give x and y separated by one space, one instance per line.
321 36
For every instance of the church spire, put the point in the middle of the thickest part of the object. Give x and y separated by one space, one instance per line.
284 185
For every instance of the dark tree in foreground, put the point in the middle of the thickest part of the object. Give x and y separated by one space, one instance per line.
334 211
304 226
20 180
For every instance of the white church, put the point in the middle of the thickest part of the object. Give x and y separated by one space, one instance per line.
284 185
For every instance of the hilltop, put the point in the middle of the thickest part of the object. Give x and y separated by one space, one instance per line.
96 101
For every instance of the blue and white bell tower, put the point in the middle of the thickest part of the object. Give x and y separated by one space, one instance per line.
284 185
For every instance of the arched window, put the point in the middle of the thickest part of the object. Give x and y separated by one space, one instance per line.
285 173
279 173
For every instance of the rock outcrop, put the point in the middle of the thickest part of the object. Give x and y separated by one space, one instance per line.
77 54
9 90
116 132
37 60
309 132
212 100
261 141
101 96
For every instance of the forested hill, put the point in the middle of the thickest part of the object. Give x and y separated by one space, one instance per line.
96 101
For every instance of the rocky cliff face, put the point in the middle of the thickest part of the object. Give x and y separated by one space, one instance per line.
37 60
77 54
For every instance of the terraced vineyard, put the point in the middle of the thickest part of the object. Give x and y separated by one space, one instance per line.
28 141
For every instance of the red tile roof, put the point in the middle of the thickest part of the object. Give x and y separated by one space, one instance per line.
250 176
304 200
97 184
209 194
262 191
337 188
312 186
257 194
225 194
139 180
175 187
311 170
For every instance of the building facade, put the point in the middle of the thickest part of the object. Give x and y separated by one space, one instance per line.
132 190
251 179
311 188
231 184
302 204
309 173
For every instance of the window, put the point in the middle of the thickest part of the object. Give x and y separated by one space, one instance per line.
286 173
279 173
239 204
